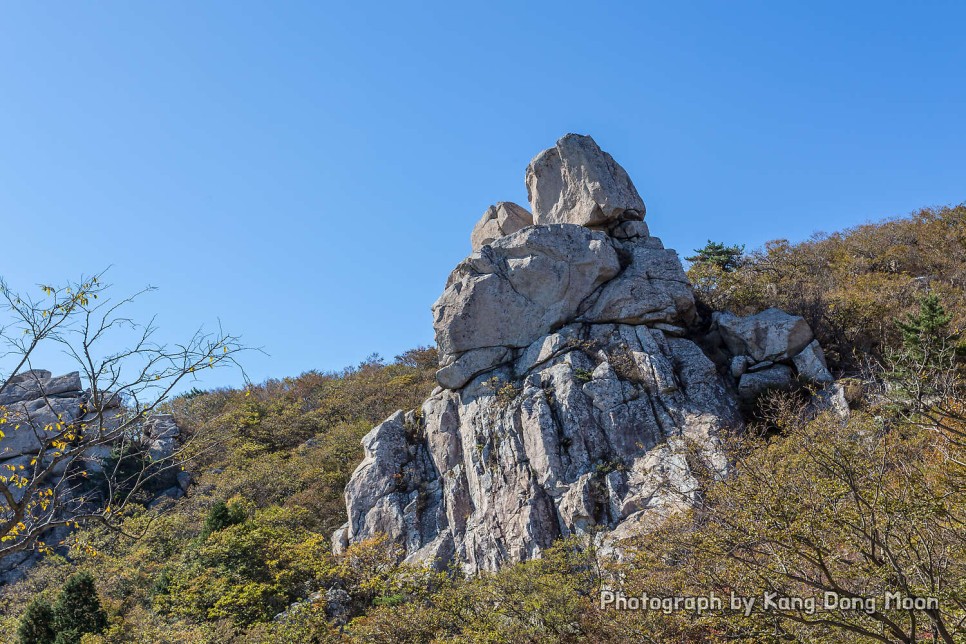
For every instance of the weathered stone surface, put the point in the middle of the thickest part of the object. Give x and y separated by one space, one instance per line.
498 221
810 364
505 469
752 384
630 230
575 182
30 386
470 364
651 288
770 335
760 366
33 421
521 286
161 426
29 375
831 398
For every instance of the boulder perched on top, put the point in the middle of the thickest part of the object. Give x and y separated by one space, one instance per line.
575 182
499 220
771 335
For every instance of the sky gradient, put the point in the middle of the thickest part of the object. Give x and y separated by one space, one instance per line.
309 173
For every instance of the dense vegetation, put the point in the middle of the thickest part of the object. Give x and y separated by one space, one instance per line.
862 507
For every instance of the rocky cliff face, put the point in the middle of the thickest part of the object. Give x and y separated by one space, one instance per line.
572 395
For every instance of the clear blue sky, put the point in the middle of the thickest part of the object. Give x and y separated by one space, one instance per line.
308 173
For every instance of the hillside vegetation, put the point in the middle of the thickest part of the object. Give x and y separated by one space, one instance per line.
850 286
860 508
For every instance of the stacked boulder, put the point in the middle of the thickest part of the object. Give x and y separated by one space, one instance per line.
572 398
770 349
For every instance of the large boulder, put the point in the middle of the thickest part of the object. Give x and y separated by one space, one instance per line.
499 220
575 182
771 335
521 286
37 406
38 384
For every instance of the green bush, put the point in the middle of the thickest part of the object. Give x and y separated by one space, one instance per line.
37 623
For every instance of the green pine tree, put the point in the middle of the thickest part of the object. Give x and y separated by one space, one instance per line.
36 623
78 610
925 335
726 258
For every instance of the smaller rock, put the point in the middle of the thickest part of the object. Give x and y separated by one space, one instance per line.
161 449
810 364
184 480
831 398
629 230
760 366
161 426
340 539
739 365
337 605
500 220
751 385
670 329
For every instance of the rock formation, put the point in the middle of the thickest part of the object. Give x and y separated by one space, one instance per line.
35 404
573 397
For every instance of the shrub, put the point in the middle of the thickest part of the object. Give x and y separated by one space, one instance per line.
37 623
220 516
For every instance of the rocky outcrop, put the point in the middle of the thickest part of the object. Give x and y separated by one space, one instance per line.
37 407
573 396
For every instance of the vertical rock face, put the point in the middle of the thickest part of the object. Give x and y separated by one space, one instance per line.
572 397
